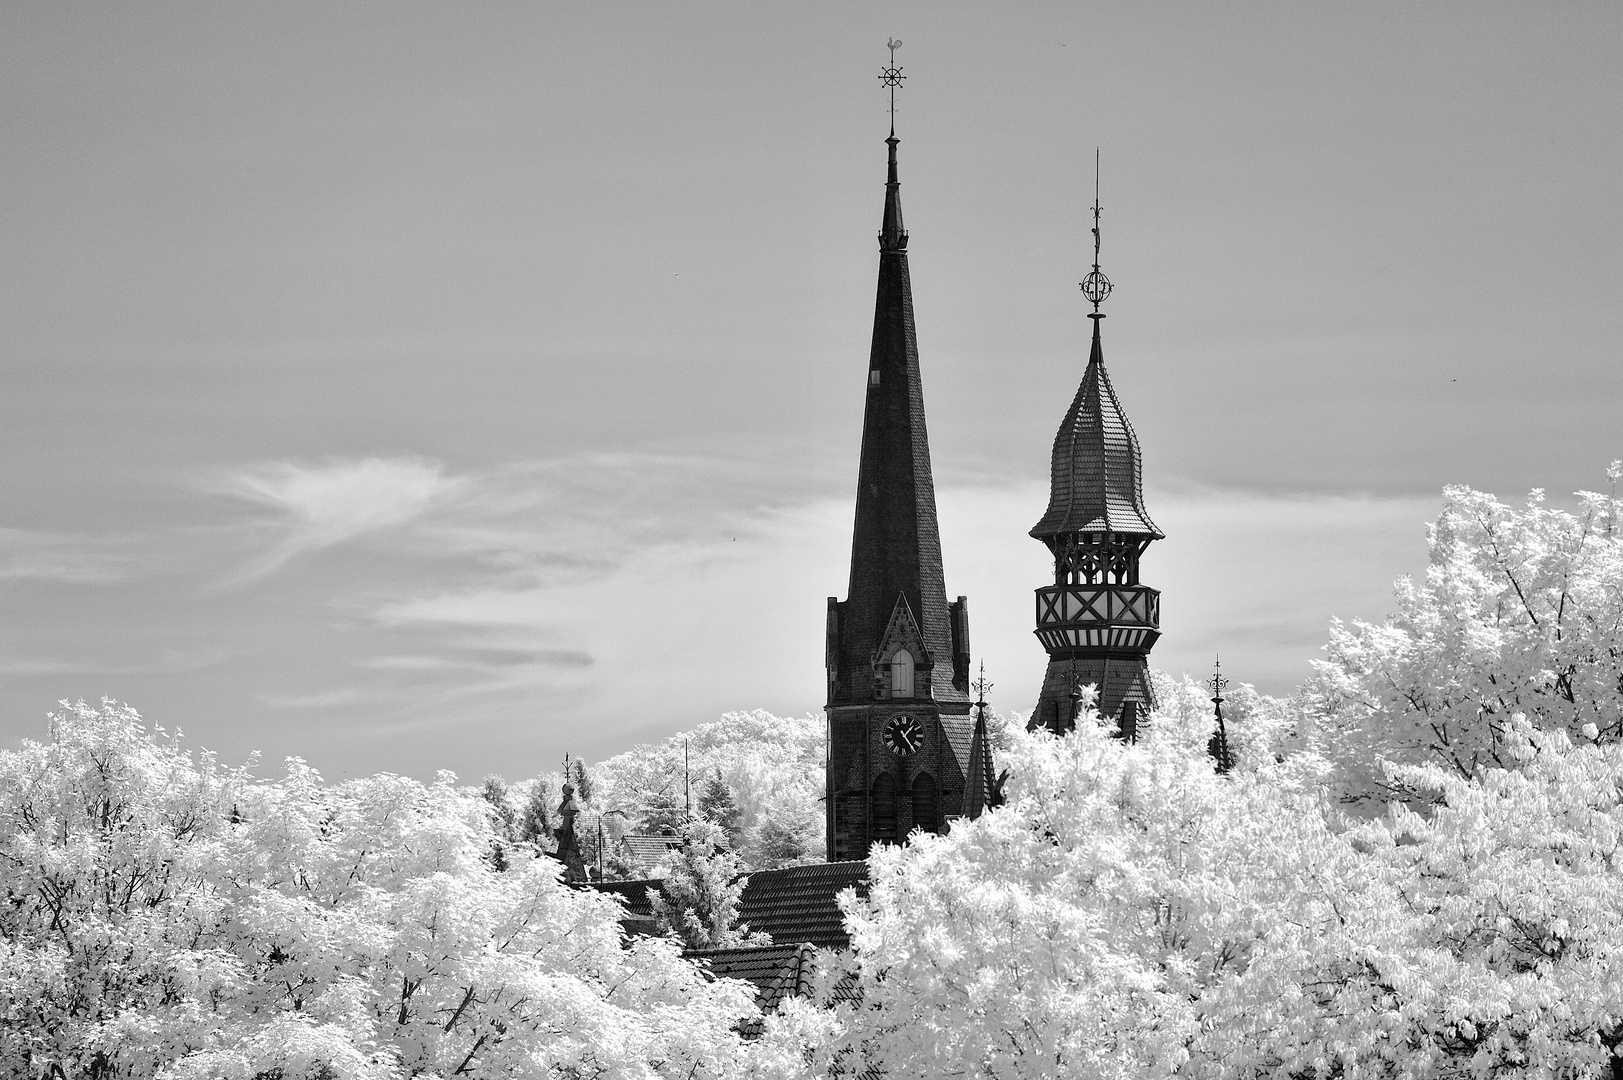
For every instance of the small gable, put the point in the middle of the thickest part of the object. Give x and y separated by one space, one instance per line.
901 663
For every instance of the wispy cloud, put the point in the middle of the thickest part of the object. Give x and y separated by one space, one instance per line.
320 506
26 554
323 699
172 661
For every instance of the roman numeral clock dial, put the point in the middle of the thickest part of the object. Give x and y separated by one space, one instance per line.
904 735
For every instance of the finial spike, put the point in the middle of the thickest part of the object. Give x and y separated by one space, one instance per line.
1096 286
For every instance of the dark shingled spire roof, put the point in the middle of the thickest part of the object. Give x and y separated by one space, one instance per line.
896 542
1097 482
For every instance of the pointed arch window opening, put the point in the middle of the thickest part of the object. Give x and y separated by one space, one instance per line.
902 671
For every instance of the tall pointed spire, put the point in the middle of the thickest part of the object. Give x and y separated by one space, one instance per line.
897 650
1096 621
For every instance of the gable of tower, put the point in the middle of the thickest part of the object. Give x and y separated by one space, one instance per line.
902 664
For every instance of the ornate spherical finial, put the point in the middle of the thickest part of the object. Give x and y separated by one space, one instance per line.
1096 287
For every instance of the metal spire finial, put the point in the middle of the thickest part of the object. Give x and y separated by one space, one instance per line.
1096 286
892 77
981 686
1217 683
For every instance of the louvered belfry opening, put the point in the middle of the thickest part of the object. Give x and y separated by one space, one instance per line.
883 801
925 804
1097 621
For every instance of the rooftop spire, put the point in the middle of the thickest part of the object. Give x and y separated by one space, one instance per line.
1218 744
896 542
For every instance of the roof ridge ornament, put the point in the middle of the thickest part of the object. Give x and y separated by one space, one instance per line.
1095 286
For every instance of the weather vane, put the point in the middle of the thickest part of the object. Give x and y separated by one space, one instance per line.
893 78
1095 286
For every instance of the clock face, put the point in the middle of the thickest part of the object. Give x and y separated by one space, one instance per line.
904 735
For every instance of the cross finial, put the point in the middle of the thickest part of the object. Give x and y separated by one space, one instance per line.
1096 286
893 78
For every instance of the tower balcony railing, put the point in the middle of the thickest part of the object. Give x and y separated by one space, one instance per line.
1098 616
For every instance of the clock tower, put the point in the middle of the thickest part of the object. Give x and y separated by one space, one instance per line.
902 746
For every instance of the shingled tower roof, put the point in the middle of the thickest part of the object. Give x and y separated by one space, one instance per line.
896 544
1097 484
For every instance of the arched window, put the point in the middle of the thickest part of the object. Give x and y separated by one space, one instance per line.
883 804
924 807
901 674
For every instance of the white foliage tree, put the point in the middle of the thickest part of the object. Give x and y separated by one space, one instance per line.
698 898
771 764
1131 914
1521 611
167 917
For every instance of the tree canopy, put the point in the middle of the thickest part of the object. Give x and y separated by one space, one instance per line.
170 917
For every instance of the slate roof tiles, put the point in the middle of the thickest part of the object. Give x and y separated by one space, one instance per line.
796 903
1097 479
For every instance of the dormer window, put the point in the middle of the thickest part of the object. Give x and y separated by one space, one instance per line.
901 674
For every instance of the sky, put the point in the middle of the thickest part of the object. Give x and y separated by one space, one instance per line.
409 387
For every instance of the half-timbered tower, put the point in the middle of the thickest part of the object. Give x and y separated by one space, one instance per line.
1097 622
900 736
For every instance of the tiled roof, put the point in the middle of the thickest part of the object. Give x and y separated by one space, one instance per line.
778 971
633 896
649 848
796 903
1097 479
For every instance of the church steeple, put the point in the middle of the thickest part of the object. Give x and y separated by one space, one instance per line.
897 650
1096 621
